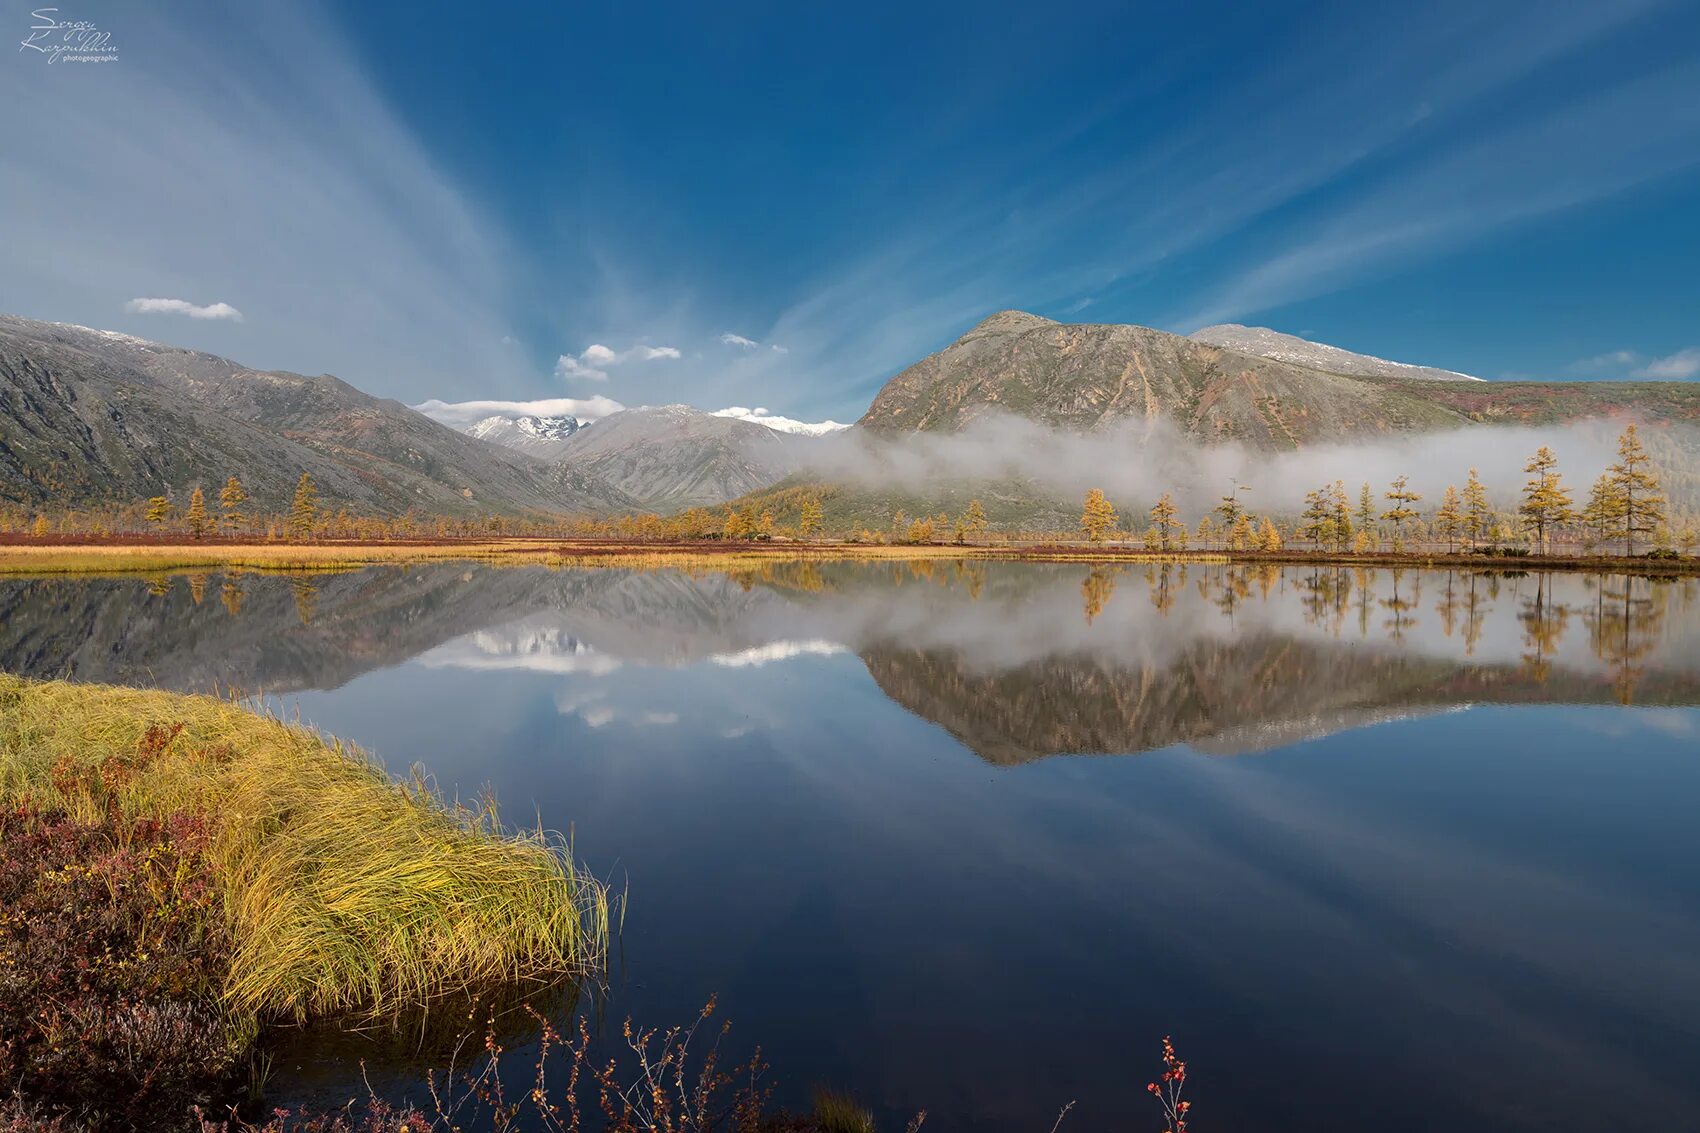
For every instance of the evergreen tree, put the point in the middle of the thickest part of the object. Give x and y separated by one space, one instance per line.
1098 516
1342 517
1366 507
1449 519
159 511
1163 521
196 516
231 497
1546 503
1478 517
1269 537
1639 505
1601 513
1230 510
1400 495
1206 532
972 525
811 518
304 509
1240 535
1319 517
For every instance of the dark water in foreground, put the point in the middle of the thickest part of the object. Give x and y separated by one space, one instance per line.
1402 852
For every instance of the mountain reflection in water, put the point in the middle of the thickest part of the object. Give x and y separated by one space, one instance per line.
1016 661
843 798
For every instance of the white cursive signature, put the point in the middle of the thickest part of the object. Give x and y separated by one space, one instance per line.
70 41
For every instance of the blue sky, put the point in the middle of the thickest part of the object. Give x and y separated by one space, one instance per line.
587 202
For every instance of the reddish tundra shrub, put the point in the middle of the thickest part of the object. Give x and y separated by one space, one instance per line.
112 954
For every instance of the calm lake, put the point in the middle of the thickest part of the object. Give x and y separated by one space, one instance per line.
1392 850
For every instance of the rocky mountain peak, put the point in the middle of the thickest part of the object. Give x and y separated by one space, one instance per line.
1006 322
548 428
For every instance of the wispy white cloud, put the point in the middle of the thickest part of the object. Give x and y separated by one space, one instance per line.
205 167
458 413
1681 366
183 307
1523 171
1612 361
592 363
1230 164
744 343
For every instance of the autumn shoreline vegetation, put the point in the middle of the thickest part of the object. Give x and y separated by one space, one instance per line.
180 873
144 559
1625 517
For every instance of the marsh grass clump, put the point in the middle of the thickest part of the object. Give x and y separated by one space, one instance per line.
837 1112
344 890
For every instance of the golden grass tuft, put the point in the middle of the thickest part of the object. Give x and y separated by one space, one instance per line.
346 891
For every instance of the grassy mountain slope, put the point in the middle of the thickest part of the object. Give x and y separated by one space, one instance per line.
89 416
1080 377
674 457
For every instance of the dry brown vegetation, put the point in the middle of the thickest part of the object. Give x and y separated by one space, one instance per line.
41 558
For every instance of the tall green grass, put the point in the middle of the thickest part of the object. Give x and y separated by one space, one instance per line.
346 891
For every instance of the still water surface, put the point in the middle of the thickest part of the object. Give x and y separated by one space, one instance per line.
1404 851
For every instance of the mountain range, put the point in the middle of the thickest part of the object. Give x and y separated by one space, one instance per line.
1083 377
1004 658
91 416
673 457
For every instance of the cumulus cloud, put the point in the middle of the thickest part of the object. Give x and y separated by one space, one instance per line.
458 413
183 307
568 367
1681 366
591 364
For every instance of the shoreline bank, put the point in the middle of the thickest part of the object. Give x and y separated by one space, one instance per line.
37 558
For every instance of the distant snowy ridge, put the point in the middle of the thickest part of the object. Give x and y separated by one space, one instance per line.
1265 343
780 424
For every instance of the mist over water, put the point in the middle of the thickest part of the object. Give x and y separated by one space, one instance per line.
1135 461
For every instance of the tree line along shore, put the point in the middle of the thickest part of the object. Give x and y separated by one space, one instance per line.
1625 514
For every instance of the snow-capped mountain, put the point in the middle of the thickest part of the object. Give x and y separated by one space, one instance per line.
780 424
539 436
